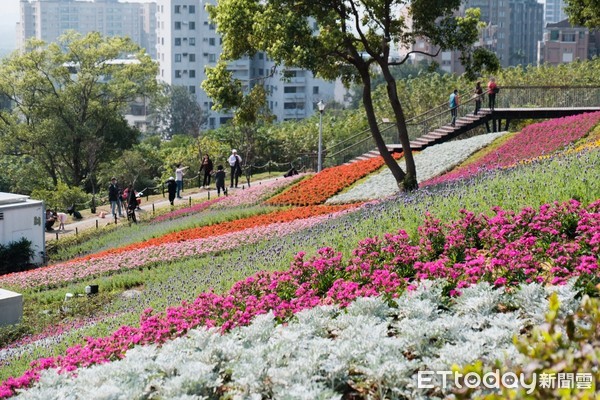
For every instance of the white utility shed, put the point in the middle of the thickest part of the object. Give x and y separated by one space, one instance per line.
21 217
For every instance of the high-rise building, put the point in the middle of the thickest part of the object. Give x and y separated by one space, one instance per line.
519 26
554 11
49 19
187 42
512 31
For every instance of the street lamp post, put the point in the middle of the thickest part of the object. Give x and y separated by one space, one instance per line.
321 106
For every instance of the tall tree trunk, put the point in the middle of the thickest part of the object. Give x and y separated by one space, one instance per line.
410 180
397 172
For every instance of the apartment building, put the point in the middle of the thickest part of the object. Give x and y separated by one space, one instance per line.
187 42
49 19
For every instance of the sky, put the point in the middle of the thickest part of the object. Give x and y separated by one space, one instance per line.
9 16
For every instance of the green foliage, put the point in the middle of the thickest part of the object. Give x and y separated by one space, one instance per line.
568 344
175 111
61 197
15 256
583 12
68 101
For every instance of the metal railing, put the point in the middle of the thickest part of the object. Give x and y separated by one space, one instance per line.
438 116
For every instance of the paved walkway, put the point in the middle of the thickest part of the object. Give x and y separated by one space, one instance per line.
94 221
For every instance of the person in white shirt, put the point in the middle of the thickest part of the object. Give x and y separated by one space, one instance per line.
179 172
235 162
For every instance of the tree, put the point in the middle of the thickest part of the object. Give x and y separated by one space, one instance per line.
345 39
583 12
176 112
69 98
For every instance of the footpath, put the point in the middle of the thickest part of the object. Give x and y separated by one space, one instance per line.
148 205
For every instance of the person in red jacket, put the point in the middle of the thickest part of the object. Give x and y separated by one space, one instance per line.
492 91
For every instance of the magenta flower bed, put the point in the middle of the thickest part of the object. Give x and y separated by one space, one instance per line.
187 210
533 141
552 244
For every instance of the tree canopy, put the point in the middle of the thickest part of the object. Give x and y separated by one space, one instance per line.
68 101
175 111
583 12
344 40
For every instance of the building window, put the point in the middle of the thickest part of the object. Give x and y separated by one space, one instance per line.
289 89
192 73
192 41
315 90
177 73
569 37
192 25
211 41
177 25
293 106
553 35
192 9
177 57
192 89
192 57
212 58
211 27
177 9
177 41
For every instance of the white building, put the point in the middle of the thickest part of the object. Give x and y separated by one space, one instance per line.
21 217
49 19
187 41
554 11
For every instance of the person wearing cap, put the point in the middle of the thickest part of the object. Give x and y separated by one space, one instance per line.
113 197
172 189
235 162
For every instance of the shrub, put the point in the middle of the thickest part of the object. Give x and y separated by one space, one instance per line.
15 256
62 197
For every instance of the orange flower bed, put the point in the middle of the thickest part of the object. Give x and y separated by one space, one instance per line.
320 187
227 227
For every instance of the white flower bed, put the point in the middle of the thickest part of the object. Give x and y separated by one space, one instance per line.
431 162
322 353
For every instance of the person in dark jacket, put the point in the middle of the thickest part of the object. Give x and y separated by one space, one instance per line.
207 167
113 197
220 181
172 189
132 203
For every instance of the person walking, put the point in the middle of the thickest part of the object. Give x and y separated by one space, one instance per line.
132 203
492 91
179 172
478 94
235 162
171 189
113 198
207 167
220 181
454 103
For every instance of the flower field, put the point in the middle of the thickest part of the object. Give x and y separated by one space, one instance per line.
320 187
534 141
334 301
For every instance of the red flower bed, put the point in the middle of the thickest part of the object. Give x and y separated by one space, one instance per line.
320 187
227 227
